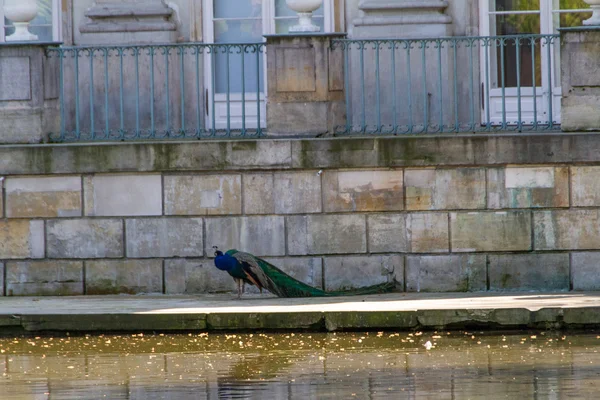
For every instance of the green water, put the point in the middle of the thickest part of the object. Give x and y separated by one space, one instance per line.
458 365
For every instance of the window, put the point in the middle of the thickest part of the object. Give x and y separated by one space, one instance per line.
46 25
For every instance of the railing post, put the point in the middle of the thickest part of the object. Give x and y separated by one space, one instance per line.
305 81
29 91
579 50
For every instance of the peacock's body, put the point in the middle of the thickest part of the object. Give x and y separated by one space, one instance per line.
246 268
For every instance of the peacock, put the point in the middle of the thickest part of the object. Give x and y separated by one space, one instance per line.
246 268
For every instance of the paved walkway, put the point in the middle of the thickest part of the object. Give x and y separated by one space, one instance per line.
224 312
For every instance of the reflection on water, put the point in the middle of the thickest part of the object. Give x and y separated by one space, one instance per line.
302 366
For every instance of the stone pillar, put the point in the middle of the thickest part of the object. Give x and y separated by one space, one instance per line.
580 68
305 85
29 106
401 19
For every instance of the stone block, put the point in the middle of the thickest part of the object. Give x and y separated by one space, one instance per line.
529 272
122 195
85 238
282 193
43 197
455 273
261 236
528 187
15 80
1 279
201 276
44 278
203 194
306 269
585 186
428 232
567 230
123 276
196 276
585 271
387 233
21 239
343 273
326 234
490 231
442 189
164 237
579 113
363 190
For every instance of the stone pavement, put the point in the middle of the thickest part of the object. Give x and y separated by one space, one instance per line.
399 311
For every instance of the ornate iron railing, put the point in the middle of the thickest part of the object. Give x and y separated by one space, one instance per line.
454 84
160 91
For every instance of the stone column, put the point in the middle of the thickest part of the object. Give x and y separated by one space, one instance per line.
29 108
305 85
580 69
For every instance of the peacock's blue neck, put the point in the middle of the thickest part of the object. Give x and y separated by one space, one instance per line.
225 262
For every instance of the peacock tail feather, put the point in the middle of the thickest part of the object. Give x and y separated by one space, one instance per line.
266 275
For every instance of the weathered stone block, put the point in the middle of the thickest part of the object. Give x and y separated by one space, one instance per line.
164 237
567 229
196 276
16 80
528 187
585 186
456 273
1 279
326 234
428 232
85 238
442 189
122 195
308 270
282 193
490 231
261 236
21 239
201 276
203 195
363 190
343 273
529 272
44 278
585 271
123 276
43 197
387 233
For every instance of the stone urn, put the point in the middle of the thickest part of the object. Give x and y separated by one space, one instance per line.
595 6
21 12
305 9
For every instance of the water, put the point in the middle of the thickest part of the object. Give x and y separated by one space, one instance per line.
458 365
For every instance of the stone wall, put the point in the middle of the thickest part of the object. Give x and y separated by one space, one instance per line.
461 213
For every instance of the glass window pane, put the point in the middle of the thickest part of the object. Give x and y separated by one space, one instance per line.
514 24
515 5
238 8
283 25
573 4
238 31
514 56
282 10
44 13
249 74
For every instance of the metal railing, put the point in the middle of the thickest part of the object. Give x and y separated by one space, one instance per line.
159 91
454 84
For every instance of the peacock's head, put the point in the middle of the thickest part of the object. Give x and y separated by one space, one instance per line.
217 251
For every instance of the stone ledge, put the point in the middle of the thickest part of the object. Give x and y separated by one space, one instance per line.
270 154
224 313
